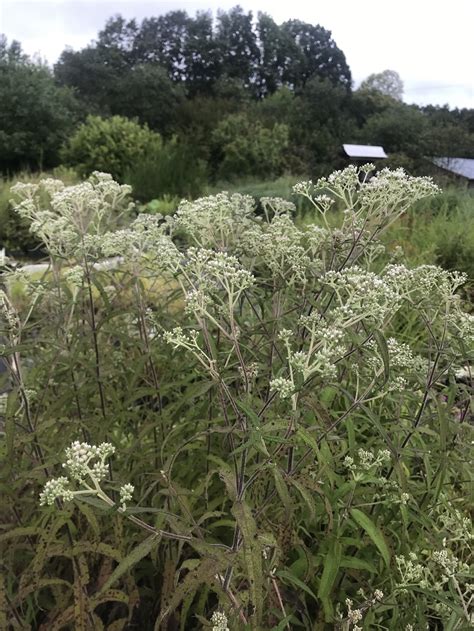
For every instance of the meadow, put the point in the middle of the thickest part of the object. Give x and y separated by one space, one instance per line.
259 419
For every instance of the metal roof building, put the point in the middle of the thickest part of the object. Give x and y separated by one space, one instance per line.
462 167
364 152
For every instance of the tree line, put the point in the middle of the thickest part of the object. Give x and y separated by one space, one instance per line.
244 96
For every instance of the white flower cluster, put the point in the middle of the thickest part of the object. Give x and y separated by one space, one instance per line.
345 179
145 240
280 247
217 220
405 366
197 301
303 188
457 526
411 570
219 621
74 276
317 239
423 282
432 572
324 347
368 461
448 562
80 459
462 324
57 488
126 493
190 342
84 463
70 212
179 339
361 295
212 273
375 200
284 387
276 206
354 616
390 189
402 357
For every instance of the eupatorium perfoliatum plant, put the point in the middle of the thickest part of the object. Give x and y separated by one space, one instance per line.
263 424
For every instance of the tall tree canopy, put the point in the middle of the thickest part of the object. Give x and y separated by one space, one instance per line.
387 82
197 80
36 115
199 53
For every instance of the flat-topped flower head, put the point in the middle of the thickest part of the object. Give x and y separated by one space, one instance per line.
219 621
85 467
80 456
57 488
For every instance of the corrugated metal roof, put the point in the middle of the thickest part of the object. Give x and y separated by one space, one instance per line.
364 151
459 166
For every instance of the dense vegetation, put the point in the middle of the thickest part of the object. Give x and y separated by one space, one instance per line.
241 410
246 424
242 96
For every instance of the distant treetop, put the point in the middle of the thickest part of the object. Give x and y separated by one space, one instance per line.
198 52
387 82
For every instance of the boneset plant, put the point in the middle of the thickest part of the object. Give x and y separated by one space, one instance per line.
262 425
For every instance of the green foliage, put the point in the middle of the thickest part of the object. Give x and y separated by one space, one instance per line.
387 82
165 205
147 94
286 441
112 145
315 56
441 232
36 115
399 128
184 76
170 169
199 53
317 127
245 147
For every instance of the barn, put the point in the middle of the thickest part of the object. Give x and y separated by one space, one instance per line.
461 168
360 154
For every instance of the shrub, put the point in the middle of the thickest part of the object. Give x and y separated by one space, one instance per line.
169 169
259 430
111 145
245 147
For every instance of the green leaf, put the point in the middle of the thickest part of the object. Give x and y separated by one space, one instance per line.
332 563
373 531
358 564
308 439
307 497
94 501
21 532
282 490
252 555
136 555
202 574
383 348
296 581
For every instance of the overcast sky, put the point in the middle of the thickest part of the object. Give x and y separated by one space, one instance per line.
430 43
